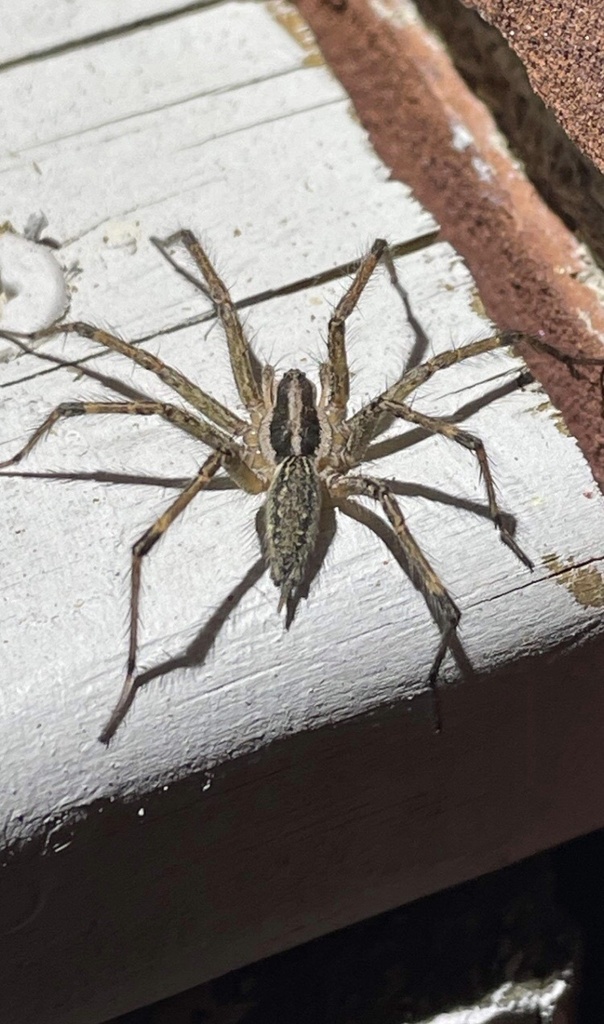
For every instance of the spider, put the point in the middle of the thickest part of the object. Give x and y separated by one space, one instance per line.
300 449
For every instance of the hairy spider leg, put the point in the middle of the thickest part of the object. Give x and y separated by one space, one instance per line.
237 469
141 548
441 604
335 375
238 345
204 403
473 443
367 422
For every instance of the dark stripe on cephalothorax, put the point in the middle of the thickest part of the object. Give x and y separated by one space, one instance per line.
295 428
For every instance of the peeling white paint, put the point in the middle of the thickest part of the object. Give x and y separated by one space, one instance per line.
484 172
461 137
33 292
510 999
398 12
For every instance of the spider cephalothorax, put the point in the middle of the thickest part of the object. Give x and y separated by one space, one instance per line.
299 449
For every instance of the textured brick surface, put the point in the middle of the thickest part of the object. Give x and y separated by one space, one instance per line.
561 46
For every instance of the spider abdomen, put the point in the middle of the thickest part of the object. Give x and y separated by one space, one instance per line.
292 513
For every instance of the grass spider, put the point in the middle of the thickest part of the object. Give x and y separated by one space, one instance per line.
301 450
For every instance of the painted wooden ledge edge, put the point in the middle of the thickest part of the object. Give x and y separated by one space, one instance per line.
316 830
319 831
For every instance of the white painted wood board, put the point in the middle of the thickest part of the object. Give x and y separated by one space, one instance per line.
33 29
312 747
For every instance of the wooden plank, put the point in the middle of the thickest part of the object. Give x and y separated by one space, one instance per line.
133 447
34 29
165 150
312 747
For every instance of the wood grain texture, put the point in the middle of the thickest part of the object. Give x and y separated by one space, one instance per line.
35 29
271 785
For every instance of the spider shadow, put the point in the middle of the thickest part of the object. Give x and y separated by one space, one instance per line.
381 529
126 391
114 384
394 445
416 356
197 651
100 476
399 443
421 342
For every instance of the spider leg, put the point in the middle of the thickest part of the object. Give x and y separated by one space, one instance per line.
237 469
335 376
217 292
142 547
441 604
467 440
175 380
367 422
570 361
